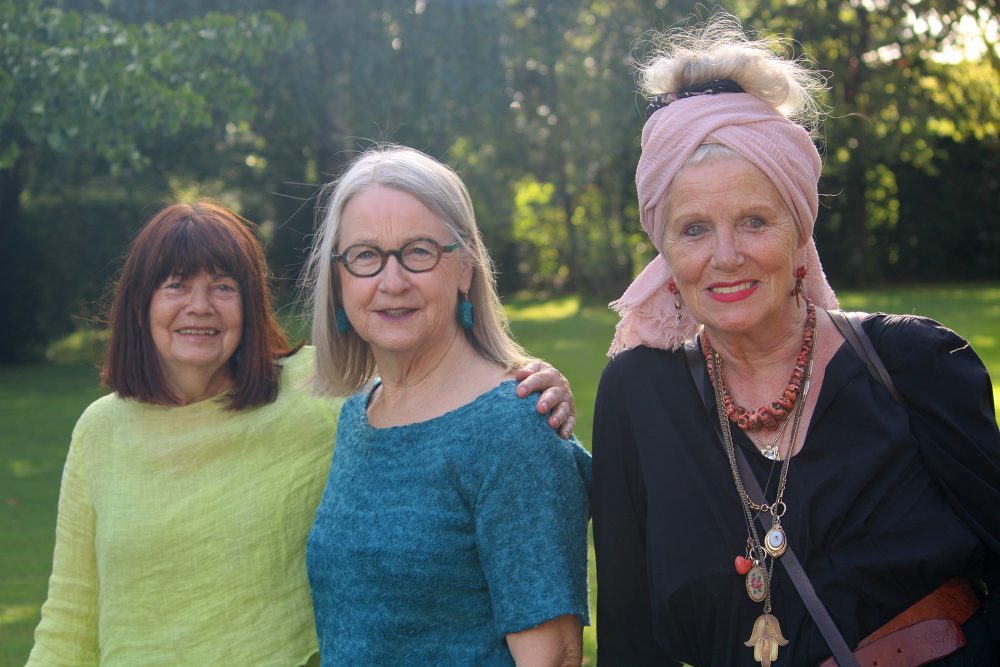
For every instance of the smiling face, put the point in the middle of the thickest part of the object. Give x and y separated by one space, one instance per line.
732 245
196 324
398 312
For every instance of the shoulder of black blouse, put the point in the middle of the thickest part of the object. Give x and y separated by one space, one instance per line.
641 360
930 364
901 339
634 376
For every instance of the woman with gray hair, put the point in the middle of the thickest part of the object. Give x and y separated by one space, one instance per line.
887 505
454 525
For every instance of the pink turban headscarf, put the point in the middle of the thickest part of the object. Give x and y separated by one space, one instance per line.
754 130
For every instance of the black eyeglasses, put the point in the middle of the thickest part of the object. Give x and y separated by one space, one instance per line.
365 260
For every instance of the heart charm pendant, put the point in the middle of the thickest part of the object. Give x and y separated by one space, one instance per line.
743 565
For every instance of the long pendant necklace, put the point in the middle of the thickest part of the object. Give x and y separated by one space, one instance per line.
766 636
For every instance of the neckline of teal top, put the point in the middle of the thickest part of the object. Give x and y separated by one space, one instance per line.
475 404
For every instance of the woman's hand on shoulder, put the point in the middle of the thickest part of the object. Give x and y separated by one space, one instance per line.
555 643
556 398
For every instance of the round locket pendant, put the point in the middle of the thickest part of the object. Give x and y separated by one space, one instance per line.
775 541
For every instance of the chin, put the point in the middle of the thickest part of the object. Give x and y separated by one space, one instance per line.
734 324
741 316
394 345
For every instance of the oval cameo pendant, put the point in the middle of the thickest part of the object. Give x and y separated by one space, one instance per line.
775 542
757 583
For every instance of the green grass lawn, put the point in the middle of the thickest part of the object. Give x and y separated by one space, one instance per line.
39 405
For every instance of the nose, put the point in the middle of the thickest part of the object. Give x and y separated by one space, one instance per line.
728 253
199 301
394 278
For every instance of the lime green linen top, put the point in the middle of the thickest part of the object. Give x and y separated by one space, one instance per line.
181 532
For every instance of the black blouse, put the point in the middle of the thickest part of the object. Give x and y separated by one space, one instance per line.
885 502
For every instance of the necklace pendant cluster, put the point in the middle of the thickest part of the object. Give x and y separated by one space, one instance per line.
758 565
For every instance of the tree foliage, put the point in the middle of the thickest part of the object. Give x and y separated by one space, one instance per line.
85 87
85 83
891 99
107 105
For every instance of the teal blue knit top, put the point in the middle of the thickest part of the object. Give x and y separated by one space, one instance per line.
434 540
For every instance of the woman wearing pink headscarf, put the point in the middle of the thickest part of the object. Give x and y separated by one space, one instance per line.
737 429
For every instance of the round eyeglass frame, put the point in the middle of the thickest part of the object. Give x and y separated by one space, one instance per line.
397 253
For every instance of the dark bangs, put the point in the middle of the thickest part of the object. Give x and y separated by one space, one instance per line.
193 245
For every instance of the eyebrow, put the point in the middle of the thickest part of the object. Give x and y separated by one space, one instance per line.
173 275
750 207
371 242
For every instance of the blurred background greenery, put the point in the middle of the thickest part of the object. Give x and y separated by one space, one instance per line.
109 107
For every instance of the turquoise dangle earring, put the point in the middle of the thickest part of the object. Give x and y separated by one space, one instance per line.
343 324
465 318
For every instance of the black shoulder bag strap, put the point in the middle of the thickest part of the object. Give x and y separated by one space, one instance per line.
838 645
849 325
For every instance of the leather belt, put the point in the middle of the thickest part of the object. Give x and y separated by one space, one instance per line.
927 631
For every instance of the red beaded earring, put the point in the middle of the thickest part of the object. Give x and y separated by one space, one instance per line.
800 274
678 304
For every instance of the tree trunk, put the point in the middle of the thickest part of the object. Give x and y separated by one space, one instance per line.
10 202
858 254
19 332
572 254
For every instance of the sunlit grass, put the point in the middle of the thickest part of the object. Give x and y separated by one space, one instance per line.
38 407
553 309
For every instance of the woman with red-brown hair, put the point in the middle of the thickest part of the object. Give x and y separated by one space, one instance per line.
189 491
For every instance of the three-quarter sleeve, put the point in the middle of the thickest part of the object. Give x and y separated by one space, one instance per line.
949 397
624 622
531 517
67 634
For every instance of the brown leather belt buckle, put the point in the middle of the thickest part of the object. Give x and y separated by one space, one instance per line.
912 646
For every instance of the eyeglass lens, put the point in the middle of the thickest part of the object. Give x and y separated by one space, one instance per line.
416 256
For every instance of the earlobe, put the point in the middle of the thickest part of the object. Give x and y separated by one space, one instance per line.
465 280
